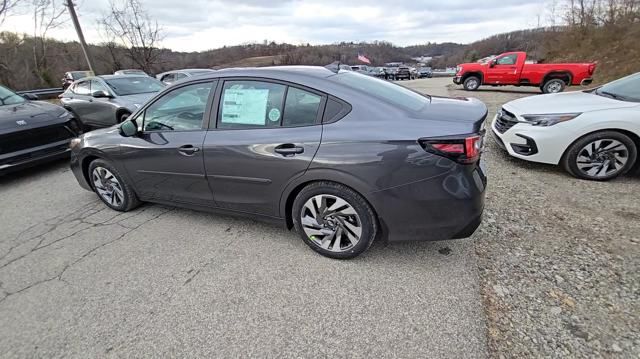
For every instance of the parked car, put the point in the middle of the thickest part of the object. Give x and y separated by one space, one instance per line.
71 76
425 72
101 101
130 72
170 77
403 73
510 69
337 155
593 134
32 132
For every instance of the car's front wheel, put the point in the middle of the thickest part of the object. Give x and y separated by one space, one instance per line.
334 220
471 83
601 156
111 186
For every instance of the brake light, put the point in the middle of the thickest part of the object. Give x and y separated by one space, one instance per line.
463 150
592 68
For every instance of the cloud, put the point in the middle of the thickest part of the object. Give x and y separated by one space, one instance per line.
196 25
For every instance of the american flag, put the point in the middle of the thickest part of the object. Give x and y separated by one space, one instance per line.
364 59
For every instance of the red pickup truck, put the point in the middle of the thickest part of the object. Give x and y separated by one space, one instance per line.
510 69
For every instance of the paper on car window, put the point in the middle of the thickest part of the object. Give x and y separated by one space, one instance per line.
245 106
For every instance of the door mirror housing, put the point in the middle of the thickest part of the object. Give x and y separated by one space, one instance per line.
101 94
129 128
492 63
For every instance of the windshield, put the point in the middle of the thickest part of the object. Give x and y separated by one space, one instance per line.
387 91
8 97
76 75
625 89
134 85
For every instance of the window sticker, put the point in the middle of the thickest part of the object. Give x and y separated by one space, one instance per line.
274 115
245 106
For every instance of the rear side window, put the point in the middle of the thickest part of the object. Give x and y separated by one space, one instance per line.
301 107
384 90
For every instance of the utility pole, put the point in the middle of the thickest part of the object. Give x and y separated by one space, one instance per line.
83 44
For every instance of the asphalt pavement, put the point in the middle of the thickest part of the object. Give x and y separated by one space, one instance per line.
80 280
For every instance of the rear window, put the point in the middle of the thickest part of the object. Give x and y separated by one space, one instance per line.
385 90
134 85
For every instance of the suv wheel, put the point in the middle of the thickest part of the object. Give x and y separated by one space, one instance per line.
111 187
334 220
471 83
600 156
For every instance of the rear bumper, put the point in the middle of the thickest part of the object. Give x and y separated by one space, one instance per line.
586 81
446 207
33 156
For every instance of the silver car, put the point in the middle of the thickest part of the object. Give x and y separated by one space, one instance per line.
102 101
170 77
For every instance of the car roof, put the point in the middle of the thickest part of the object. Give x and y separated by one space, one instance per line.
278 72
112 77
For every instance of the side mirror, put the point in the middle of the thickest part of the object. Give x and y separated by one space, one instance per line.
100 94
30 96
128 128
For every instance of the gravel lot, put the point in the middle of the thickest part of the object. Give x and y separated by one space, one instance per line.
553 269
558 257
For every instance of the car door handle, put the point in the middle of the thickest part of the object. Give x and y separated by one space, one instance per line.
289 149
188 150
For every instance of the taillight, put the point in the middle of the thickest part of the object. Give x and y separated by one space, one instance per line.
592 68
460 149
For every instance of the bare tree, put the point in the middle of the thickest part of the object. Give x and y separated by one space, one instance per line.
131 25
6 6
47 15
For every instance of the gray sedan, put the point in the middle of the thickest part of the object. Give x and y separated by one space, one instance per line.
102 101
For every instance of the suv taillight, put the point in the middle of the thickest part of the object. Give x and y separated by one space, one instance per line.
460 149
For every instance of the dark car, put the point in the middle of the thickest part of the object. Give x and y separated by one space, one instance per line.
32 132
105 100
403 73
340 156
71 76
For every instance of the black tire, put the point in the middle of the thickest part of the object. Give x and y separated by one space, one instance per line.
471 83
129 200
122 116
365 213
570 158
553 86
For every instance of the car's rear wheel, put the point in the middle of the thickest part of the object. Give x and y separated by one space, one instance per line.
471 83
111 187
553 86
334 220
601 156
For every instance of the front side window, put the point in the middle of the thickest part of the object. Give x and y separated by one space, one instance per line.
180 75
247 104
507 60
301 107
131 85
82 88
179 110
97 86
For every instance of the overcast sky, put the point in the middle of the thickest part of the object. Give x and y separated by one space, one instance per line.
195 25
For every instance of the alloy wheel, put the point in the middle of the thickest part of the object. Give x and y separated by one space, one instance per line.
472 83
107 186
331 223
602 158
554 87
